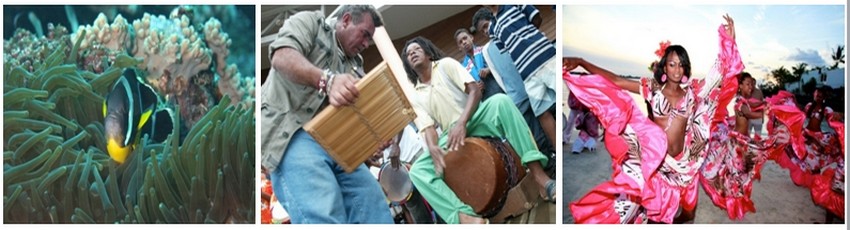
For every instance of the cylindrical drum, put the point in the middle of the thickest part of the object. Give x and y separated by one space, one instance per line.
481 172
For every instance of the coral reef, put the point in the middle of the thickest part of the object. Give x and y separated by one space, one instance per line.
230 81
56 169
102 42
178 58
172 51
26 50
113 36
234 19
174 54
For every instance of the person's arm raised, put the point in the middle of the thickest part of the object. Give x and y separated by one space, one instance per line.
631 86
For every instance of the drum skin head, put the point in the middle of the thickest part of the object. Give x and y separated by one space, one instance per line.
477 174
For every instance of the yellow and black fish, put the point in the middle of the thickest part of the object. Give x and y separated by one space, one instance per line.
130 111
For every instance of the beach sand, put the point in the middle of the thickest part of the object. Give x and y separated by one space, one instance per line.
777 199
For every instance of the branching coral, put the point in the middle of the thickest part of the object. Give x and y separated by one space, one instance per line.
230 81
113 36
232 84
102 42
56 169
171 50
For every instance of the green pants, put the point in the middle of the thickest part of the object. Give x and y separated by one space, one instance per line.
495 117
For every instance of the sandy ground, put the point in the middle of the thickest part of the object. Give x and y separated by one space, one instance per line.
777 199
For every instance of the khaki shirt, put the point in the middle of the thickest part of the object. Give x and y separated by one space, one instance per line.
287 106
444 98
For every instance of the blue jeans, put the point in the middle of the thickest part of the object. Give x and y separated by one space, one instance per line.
314 189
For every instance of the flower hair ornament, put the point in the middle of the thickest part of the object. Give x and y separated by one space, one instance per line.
662 46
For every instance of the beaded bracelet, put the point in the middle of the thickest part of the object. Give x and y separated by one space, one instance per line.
322 85
331 78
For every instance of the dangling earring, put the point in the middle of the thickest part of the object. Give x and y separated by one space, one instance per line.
684 79
664 78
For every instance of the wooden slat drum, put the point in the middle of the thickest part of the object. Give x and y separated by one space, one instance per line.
351 134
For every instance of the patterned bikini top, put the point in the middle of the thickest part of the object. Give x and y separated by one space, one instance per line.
681 170
660 106
818 113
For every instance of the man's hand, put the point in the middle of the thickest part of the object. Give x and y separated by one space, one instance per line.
385 145
343 90
439 162
456 136
375 160
395 153
483 73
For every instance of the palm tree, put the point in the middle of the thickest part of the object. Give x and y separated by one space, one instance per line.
782 76
838 57
798 71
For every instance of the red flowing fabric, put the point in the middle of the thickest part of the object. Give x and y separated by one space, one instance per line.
784 111
839 130
817 171
733 164
824 192
784 118
731 142
823 195
616 110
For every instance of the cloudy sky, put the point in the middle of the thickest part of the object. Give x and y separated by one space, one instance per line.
623 38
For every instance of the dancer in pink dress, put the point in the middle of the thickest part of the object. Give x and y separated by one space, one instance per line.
734 159
814 158
656 160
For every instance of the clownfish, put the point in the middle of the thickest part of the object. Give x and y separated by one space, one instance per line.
131 110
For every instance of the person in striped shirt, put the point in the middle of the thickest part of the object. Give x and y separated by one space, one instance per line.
515 29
